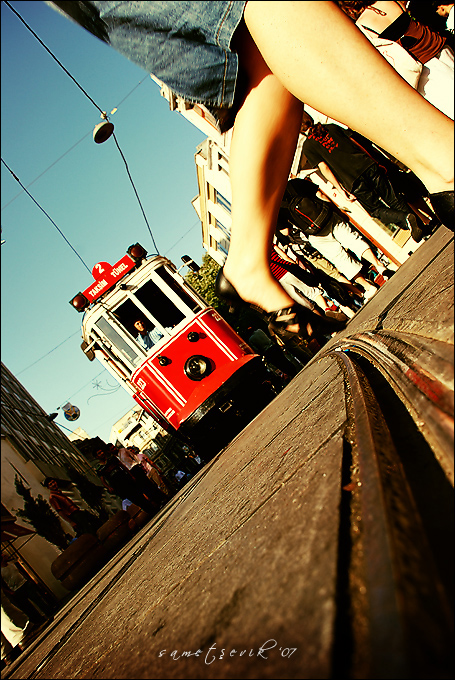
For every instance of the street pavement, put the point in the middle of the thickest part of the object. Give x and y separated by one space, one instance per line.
237 576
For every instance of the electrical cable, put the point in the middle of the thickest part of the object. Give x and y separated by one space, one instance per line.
74 145
182 237
84 386
41 415
53 57
24 189
135 191
131 92
77 332
50 352
48 216
72 431
44 171
103 113
30 413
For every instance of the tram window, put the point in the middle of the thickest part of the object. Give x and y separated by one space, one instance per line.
127 314
159 305
178 290
118 342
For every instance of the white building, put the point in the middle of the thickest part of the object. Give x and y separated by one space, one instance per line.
213 204
77 434
196 114
32 448
214 199
136 428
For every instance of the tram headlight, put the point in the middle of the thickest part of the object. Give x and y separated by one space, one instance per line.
197 367
137 252
79 302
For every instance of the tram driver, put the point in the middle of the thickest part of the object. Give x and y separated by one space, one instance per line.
147 338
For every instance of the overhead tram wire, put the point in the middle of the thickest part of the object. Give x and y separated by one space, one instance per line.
198 222
77 332
135 191
74 145
103 113
44 171
47 354
47 215
53 57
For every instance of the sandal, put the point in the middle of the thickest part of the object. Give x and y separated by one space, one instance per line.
282 319
279 321
226 291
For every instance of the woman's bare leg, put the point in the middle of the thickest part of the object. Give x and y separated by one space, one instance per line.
314 53
265 136
320 56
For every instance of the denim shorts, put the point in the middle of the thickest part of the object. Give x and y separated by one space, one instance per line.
184 44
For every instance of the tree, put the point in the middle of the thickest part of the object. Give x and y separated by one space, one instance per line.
90 492
204 281
42 518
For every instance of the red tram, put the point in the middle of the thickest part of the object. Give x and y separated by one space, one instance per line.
199 380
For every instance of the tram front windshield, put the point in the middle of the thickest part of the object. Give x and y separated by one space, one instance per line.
158 315
126 351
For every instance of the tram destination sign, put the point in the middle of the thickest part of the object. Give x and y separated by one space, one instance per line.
106 276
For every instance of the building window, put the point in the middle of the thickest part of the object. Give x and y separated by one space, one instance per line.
224 230
223 245
222 163
221 200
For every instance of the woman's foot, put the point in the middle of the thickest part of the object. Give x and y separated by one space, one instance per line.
267 296
258 288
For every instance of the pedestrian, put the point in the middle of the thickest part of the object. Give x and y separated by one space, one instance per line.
297 282
272 352
21 592
307 214
182 478
147 486
153 473
118 480
389 22
333 285
82 521
356 174
328 274
253 64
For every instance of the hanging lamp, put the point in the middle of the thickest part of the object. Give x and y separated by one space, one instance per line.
103 130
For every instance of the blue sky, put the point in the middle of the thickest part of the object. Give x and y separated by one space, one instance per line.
87 194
